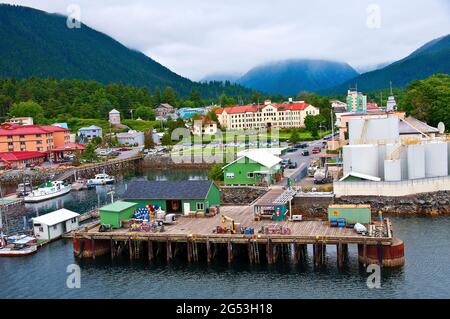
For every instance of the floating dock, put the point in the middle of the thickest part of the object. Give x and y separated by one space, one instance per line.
193 238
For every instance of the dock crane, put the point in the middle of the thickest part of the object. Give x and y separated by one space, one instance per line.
225 219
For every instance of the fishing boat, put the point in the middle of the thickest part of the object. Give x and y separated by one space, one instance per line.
17 246
101 179
47 191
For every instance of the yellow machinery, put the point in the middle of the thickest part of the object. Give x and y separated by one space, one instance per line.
225 219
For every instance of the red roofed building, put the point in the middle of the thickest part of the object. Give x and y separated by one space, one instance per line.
204 127
279 115
20 159
31 138
372 106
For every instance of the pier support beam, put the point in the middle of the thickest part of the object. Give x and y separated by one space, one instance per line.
168 250
189 250
250 251
269 251
93 247
229 252
112 249
208 251
150 250
340 255
130 248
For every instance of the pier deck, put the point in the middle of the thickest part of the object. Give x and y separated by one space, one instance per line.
201 230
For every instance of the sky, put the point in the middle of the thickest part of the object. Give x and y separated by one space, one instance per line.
195 38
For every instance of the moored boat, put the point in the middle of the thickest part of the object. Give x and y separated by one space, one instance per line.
23 189
101 179
47 191
17 246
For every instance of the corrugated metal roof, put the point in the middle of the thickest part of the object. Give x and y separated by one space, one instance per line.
167 190
118 206
266 159
56 217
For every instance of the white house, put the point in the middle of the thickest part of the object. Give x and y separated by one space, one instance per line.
21 120
54 224
89 132
114 117
131 138
204 127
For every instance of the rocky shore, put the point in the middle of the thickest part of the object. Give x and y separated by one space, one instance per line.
240 195
166 162
11 178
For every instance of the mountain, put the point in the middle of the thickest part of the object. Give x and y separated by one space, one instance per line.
36 43
371 67
221 77
431 58
289 77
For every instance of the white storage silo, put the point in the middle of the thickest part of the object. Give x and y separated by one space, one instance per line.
381 156
392 170
436 159
364 159
416 161
347 158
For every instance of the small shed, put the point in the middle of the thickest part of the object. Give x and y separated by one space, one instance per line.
351 213
175 196
54 224
114 213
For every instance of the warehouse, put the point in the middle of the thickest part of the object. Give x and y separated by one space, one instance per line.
174 196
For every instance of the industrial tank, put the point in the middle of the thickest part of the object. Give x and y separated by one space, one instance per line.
392 170
436 159
381 156
347 158
385 129
364 159
416 161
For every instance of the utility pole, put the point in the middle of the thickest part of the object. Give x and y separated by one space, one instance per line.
131 111
332 126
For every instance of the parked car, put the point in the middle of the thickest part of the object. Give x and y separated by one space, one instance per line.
316 150
305 153
291 150
303 145
124 149
285 162
293 165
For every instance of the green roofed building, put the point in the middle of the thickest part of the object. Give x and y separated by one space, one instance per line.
174 196
114 213
253 168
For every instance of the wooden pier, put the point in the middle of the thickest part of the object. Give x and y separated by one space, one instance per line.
92 169
193 238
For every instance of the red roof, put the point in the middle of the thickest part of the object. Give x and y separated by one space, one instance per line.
294 106
70 147
20 156
372 106
13 129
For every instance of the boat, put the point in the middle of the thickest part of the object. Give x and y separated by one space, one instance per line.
23 189
17 246
81 184
47 191
101 179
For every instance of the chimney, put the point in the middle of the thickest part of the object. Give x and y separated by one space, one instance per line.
267 102
290 100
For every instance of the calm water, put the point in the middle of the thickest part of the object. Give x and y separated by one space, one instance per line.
43 275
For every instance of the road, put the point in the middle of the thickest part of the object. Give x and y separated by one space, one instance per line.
302 161
133 152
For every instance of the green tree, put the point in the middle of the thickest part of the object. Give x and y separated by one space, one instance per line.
295 136
145 113
89 153
169 96
29 108
148 140
167 138
428 100
312 125
216 173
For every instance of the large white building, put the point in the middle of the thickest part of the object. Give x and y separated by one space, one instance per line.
114 117
277 115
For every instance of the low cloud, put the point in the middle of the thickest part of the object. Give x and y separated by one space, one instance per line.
196 37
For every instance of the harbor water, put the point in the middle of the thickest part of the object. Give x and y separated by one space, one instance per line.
426 273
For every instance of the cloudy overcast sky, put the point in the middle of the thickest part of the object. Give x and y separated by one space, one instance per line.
199 37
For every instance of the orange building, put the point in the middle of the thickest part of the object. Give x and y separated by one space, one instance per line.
32 138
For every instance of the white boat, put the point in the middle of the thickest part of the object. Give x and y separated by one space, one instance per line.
17 246
101 179
47 191
23 189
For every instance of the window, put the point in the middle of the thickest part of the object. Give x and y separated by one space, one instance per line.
200 206
250 175
74 220
55 226
230 175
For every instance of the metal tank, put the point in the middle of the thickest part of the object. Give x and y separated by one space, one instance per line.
381 156
392 170
347 158
436 159
416 161
364 159
377 130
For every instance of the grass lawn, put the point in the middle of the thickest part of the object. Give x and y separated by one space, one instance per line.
142 126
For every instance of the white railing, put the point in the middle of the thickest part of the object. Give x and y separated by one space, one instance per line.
392 189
